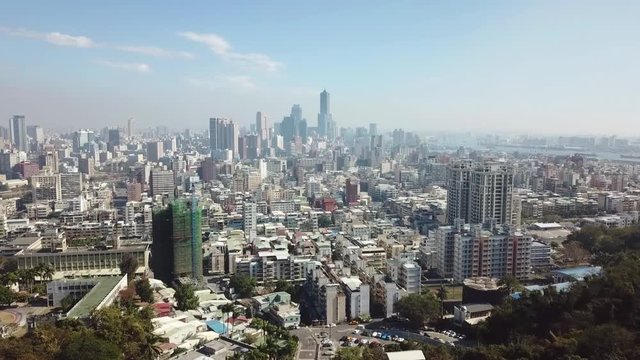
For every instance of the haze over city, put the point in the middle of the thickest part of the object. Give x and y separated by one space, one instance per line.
539 67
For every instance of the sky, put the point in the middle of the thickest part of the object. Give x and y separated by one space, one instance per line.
536 67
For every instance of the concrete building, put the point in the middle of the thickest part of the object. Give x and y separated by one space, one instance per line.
155 150
162 182
223 135
70 185
46 187
250 217
473 252
477 192
18 133
357 295
278 308
409 277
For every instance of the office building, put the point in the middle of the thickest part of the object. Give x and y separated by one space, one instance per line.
208 170
326 128
81 138
36 133
18 133
480 192
223 135
86 165
154 150
262 127
130 127
48 161
162 182
373 129
177 241
134 191
352 191
27 169
114 139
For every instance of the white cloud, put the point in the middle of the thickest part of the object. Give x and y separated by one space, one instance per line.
54 38
156 52
59 39
224 82
133 67
221 47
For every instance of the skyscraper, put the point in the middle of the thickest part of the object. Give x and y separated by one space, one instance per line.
130 127
223 135
177 241
36 133
480 192
262 128
18 132
326 128
249 214
114 138
154 150
373 129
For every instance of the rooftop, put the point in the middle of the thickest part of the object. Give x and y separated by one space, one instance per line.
406 355
94 297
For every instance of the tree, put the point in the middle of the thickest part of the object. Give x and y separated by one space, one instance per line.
575 252
510 283
186 298
324 221
442 295
67 302
283 285
129 265
226 309
419 308
143 289
243 285
6 296
85 345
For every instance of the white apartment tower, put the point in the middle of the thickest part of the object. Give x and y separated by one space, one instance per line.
478 192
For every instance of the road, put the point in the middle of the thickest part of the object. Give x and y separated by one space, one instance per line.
310 338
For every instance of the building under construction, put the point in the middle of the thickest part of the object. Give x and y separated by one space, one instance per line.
177 241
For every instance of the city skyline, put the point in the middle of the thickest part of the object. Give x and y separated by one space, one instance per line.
503 66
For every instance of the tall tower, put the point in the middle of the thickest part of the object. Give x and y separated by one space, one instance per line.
177 241
130 127
18 132
480 192
262 128
223 135
326 128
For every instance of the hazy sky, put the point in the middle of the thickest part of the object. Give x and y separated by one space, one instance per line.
530 66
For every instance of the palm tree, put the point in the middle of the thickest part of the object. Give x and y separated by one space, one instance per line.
149 349
47 272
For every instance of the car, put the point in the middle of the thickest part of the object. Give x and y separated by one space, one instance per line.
375 334
364 341
462 337
353 322
400 340
344 338
324 334
356 332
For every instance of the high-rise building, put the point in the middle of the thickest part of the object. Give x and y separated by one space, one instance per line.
480 192
27 169
86 165
262 128
130 127
36 133
326 128
373 129
223 135
70 185
469 251
352 191
49 161
177 241
114 139
46 187
249 211
18 131
81 138
154 150
208 170
134 191
162 182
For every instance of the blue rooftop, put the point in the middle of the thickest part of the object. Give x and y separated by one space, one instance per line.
560 287
216 326
580 272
